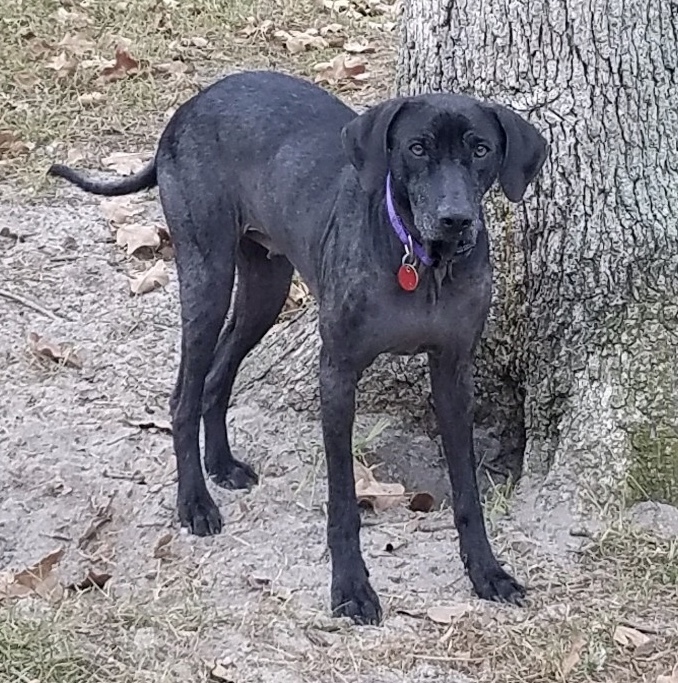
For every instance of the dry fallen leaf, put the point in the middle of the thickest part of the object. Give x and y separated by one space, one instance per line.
26 79
376 494
298 295
134 236
76 43
38 579
254 28
156 276
299 41
357 48
422 502
119 210
62 353
124 65
220 672
342 68
63 65
11 145
162 548
103 514
174 67
573 657
446 614
671 678
91 580
627 636
63 16
126 163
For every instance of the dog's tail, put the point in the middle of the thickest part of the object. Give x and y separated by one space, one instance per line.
143 180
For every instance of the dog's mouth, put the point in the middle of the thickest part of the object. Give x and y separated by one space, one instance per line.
442 252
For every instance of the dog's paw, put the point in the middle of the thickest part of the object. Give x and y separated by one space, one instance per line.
238 476
199 514
495 584
354 597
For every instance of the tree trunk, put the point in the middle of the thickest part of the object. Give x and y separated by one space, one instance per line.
578 363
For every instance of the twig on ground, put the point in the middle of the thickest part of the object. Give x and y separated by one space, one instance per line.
29 304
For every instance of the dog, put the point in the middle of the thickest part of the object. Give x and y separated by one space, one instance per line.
381 214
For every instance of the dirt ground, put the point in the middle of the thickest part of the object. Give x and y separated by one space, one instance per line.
87 461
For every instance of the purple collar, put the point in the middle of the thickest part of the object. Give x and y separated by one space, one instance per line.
410 244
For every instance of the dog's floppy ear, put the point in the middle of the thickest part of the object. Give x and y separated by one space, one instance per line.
365 141
524 152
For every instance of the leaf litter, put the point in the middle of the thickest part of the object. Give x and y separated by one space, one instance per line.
62 353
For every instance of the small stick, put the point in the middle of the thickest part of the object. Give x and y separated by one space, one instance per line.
30 304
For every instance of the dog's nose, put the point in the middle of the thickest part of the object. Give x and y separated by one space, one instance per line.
455 222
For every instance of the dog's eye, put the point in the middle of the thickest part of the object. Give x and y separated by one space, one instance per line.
480 150
417 149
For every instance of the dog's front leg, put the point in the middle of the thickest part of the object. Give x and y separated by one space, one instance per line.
351 593
452 385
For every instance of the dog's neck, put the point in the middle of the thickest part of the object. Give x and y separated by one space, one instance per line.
412 247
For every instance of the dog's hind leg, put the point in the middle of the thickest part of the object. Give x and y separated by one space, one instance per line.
261 290
205 239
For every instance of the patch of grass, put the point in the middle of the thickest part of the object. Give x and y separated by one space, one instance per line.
33 648
53 55
144 637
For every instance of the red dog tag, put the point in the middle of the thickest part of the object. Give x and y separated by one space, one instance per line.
408 278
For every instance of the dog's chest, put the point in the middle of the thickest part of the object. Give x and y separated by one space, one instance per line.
411 322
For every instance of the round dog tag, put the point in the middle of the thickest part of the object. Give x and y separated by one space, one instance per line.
408 278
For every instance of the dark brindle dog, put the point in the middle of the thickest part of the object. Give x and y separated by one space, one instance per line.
381 214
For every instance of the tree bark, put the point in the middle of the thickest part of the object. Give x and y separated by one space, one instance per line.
580 353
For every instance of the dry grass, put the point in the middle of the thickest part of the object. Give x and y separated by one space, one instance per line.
566 633
53 54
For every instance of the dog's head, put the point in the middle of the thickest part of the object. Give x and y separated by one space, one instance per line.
444 152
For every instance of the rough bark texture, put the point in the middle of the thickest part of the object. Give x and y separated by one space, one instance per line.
582 341
577 370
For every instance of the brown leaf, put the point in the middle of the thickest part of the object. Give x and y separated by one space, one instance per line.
355 47
342 68
134 236
220 672
670 678
26 79
62 353
162 549
38 579
63 65
573 657
422 502
124 65
446 614
630 637
297 42
102 515
119 210
254 29
174 68
11 145
63 16
126 163
156 276
376 494
91 580
76 43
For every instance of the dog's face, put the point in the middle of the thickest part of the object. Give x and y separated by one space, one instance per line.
444 152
